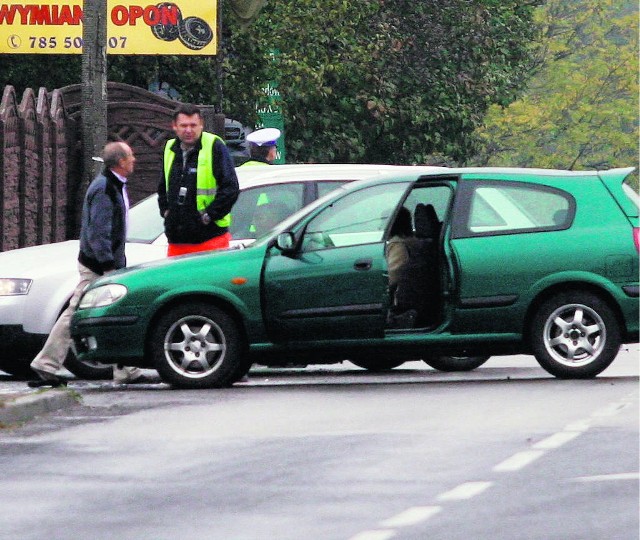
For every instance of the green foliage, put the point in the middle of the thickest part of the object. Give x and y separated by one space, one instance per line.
580 110
393 81
50 71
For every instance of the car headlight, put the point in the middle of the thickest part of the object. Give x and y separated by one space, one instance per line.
102 296
14 286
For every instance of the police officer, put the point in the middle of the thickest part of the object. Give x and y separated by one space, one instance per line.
198 186
262 146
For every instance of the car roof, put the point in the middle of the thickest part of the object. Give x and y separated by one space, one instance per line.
416 172
499 173
256 176
533 171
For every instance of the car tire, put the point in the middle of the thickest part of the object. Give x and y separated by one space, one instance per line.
198 345
455 363
89 371
575 335
376 365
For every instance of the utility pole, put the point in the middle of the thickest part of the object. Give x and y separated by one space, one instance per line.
218 127
219 60
93 90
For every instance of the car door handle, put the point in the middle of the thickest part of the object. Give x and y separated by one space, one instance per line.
363 264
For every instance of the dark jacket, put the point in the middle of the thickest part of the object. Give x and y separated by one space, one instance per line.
103 232
183 224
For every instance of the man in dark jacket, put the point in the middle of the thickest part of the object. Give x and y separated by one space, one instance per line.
102 243
198 186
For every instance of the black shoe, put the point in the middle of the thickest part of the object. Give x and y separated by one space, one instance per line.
54 382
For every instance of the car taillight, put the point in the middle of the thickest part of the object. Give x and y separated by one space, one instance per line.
636 238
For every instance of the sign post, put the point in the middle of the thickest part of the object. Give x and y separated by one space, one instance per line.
270 112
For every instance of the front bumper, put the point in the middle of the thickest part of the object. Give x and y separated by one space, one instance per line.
110 340
15 342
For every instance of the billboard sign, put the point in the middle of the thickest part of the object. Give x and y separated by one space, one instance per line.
55 27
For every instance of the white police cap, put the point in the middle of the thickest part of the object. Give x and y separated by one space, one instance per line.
264 137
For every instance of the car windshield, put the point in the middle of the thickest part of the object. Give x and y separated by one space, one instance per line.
292 219
145 223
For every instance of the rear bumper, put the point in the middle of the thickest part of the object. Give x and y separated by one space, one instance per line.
630 311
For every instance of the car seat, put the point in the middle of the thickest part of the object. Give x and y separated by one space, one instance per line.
419 284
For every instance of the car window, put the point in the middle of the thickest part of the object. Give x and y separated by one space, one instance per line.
327 186
631 194
358 218
502 208
260 208
437 196
145 223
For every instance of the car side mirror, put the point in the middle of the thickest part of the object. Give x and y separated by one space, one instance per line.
286 242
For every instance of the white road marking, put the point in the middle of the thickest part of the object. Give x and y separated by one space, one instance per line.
608 477
373 535
418 514
88 417
411 516
609 410
580 425
556 440
518 461
464 491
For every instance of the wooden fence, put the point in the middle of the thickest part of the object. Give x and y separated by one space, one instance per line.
37 159
40 158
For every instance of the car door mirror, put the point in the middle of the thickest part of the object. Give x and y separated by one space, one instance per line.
286 242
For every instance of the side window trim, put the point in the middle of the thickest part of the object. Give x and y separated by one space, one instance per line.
463 207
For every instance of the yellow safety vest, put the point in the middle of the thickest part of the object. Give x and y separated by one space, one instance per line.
206 184
252 163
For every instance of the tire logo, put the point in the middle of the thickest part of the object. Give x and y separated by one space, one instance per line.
193 32
167 32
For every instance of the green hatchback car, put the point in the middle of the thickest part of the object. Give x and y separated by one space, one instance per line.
496 261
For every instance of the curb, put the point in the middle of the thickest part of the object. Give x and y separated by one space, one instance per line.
26 407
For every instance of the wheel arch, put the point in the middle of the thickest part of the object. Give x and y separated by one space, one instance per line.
216 301
568 287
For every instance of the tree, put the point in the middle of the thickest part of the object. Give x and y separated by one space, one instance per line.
580 110
393 81
51 71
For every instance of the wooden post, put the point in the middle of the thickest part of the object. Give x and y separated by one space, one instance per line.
219 60
94 92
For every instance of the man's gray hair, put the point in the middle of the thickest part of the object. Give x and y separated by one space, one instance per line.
113 153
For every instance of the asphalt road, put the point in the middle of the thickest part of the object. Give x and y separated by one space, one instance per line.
504 452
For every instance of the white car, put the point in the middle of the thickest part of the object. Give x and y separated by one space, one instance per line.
36 282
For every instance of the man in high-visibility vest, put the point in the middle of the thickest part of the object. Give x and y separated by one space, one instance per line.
262 146
198 187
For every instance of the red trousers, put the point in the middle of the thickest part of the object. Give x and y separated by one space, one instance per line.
218 242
